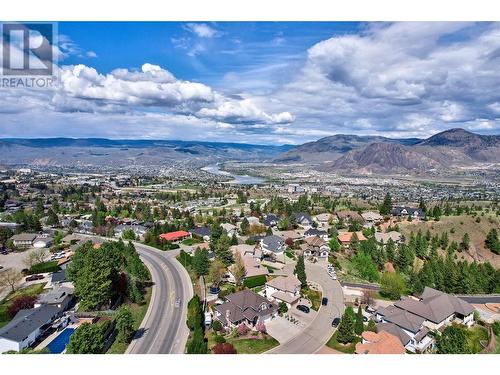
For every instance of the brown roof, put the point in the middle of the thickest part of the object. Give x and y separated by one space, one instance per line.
285 283
315 241
244 304
435 305
393 329
379 343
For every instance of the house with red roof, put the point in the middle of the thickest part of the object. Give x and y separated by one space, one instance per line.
175 236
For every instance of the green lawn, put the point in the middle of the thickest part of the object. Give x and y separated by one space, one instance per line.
191 241
497 349
476 335
314 296
32 290
253 346
347 349
138 312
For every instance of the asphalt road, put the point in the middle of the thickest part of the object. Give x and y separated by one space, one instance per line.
163 329
481 299
319 331
374 287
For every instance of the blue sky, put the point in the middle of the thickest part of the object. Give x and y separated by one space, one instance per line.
263 82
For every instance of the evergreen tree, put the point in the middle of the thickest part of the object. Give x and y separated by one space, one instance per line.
124 324
359 326
386 206
390 250
345 332
300 271
201 262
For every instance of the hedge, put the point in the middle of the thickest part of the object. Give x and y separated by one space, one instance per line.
254 281
44 267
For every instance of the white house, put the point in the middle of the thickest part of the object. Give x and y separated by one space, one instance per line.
26 327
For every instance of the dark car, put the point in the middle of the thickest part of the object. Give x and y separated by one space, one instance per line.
34 278
303 308
335 322
324 301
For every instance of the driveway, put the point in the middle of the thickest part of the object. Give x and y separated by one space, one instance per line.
282 329
315 335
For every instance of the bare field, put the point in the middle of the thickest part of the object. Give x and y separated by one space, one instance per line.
460 225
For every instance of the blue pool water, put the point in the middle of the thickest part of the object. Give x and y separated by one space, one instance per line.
58 345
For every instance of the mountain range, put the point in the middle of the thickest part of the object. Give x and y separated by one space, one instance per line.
448 150
451 149
123 153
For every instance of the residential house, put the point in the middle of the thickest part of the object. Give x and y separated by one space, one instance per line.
379 343
295 236
59 296
42 242
251 256
434 310
345 238
230 229
252 220
314 232
303 219
324 219
176 236
201 232
408 327
139 230
24 240
372 218
439 309
271 220
348 216
245 307
403 211
272 245
284 289
382 238
26 327
316 247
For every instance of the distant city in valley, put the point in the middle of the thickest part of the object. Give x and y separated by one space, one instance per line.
254 188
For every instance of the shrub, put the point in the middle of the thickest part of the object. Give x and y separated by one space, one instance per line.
261 327
224 348
20 303
254 281
242 330
217 326
219 339
44 267
496 328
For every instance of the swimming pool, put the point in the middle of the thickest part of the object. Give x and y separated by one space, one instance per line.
58 345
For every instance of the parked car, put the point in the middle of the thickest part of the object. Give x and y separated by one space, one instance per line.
303 308
34 278
335 322
324 301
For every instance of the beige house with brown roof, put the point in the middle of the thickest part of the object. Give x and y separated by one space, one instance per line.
245 307
284 289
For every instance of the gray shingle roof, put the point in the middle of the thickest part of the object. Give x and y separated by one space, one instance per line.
27 321
435 305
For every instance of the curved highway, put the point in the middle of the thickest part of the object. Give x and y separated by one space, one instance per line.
163 329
